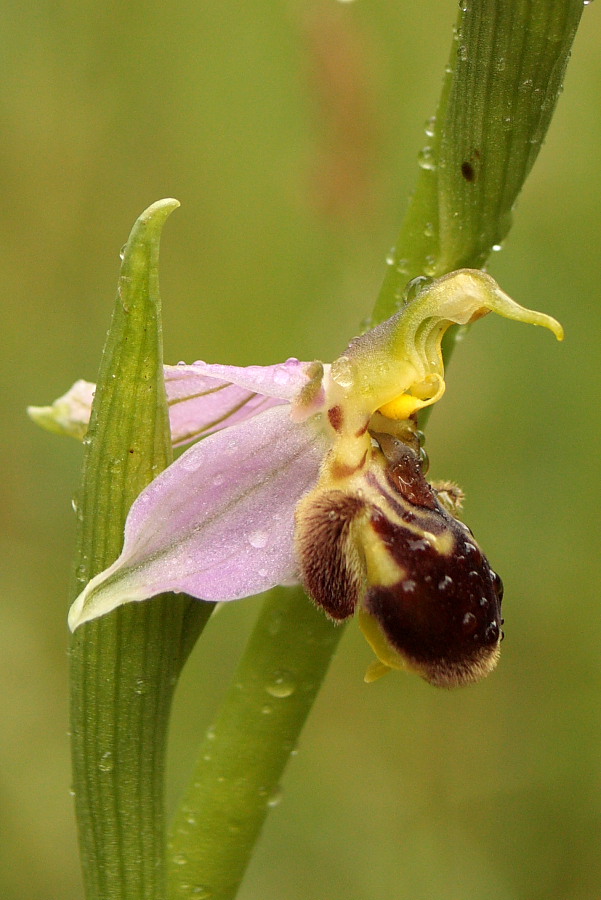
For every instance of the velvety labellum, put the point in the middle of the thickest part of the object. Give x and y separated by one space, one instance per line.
395 551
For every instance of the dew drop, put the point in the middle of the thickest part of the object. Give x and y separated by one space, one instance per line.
141 686
190 461
282 685
342 372
258 539
218 480
491 635
425 159
275 797
107 763
430 126
428 229
462 52
201 892
430 265
469 623
180 859
415 286
445 583
418 544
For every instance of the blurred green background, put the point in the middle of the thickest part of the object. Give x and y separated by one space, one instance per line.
289 132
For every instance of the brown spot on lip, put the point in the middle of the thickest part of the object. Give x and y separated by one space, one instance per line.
336 418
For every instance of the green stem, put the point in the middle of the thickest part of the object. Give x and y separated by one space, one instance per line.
125 665
237 778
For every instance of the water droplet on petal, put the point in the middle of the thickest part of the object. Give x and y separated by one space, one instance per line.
342 372
415 286
190 461
258 539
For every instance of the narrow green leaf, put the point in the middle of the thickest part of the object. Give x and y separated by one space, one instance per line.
124 666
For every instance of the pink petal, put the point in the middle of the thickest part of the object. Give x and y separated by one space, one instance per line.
219 522
204 398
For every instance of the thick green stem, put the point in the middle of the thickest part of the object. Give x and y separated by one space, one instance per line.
125 665
237 778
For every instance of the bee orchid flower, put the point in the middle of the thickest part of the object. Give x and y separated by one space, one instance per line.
313 473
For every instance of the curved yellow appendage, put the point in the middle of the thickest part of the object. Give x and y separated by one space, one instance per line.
387 657
375 671
425 393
